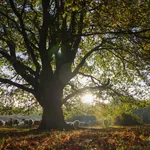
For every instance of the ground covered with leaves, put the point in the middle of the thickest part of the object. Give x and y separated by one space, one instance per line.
115 138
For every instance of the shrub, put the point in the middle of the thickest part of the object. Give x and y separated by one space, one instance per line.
105 122
127 120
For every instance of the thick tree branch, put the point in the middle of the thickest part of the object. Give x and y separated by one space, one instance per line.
78 39
24 34
46 66
143 37
20 68
7 81
10 43
90 76
120 94
44 31
24 4
113 32
34 38
72 86
14 8
35 20
97 48
13 61
12 20
73 22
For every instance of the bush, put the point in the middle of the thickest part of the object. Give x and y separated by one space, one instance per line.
127 120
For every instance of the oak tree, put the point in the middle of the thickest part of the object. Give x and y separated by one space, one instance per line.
45 44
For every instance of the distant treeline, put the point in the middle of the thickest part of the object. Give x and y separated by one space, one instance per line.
144 114
83 118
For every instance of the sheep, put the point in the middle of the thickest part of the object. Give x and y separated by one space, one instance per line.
9 122
21 123
28 122
16 122
76 124
12 122
69 123
2 123
25 121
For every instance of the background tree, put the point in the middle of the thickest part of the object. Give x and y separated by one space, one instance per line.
45 44
143 113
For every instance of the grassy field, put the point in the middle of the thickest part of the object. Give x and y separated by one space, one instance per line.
113 138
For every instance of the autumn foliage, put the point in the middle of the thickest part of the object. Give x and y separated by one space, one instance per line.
117 138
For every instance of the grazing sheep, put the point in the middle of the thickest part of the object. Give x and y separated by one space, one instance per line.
9 122
2 123
31 122
28 122
76 124
21 123
16 122
25 121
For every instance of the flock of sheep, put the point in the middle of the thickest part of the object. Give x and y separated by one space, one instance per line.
18 122
30 122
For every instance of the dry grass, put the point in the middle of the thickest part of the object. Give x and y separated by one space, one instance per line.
114 138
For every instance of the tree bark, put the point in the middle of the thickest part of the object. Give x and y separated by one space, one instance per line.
52 117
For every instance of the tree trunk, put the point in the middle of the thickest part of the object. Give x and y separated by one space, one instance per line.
52 117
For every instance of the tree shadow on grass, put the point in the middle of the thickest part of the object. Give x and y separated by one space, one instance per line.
14 131
79 138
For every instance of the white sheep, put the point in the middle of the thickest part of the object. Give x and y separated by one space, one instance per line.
69 123
2 123
76 124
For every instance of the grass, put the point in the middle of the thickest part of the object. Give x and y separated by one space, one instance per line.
113 138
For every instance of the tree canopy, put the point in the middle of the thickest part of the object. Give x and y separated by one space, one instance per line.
46 47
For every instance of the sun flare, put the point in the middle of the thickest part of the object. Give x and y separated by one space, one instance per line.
87 98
